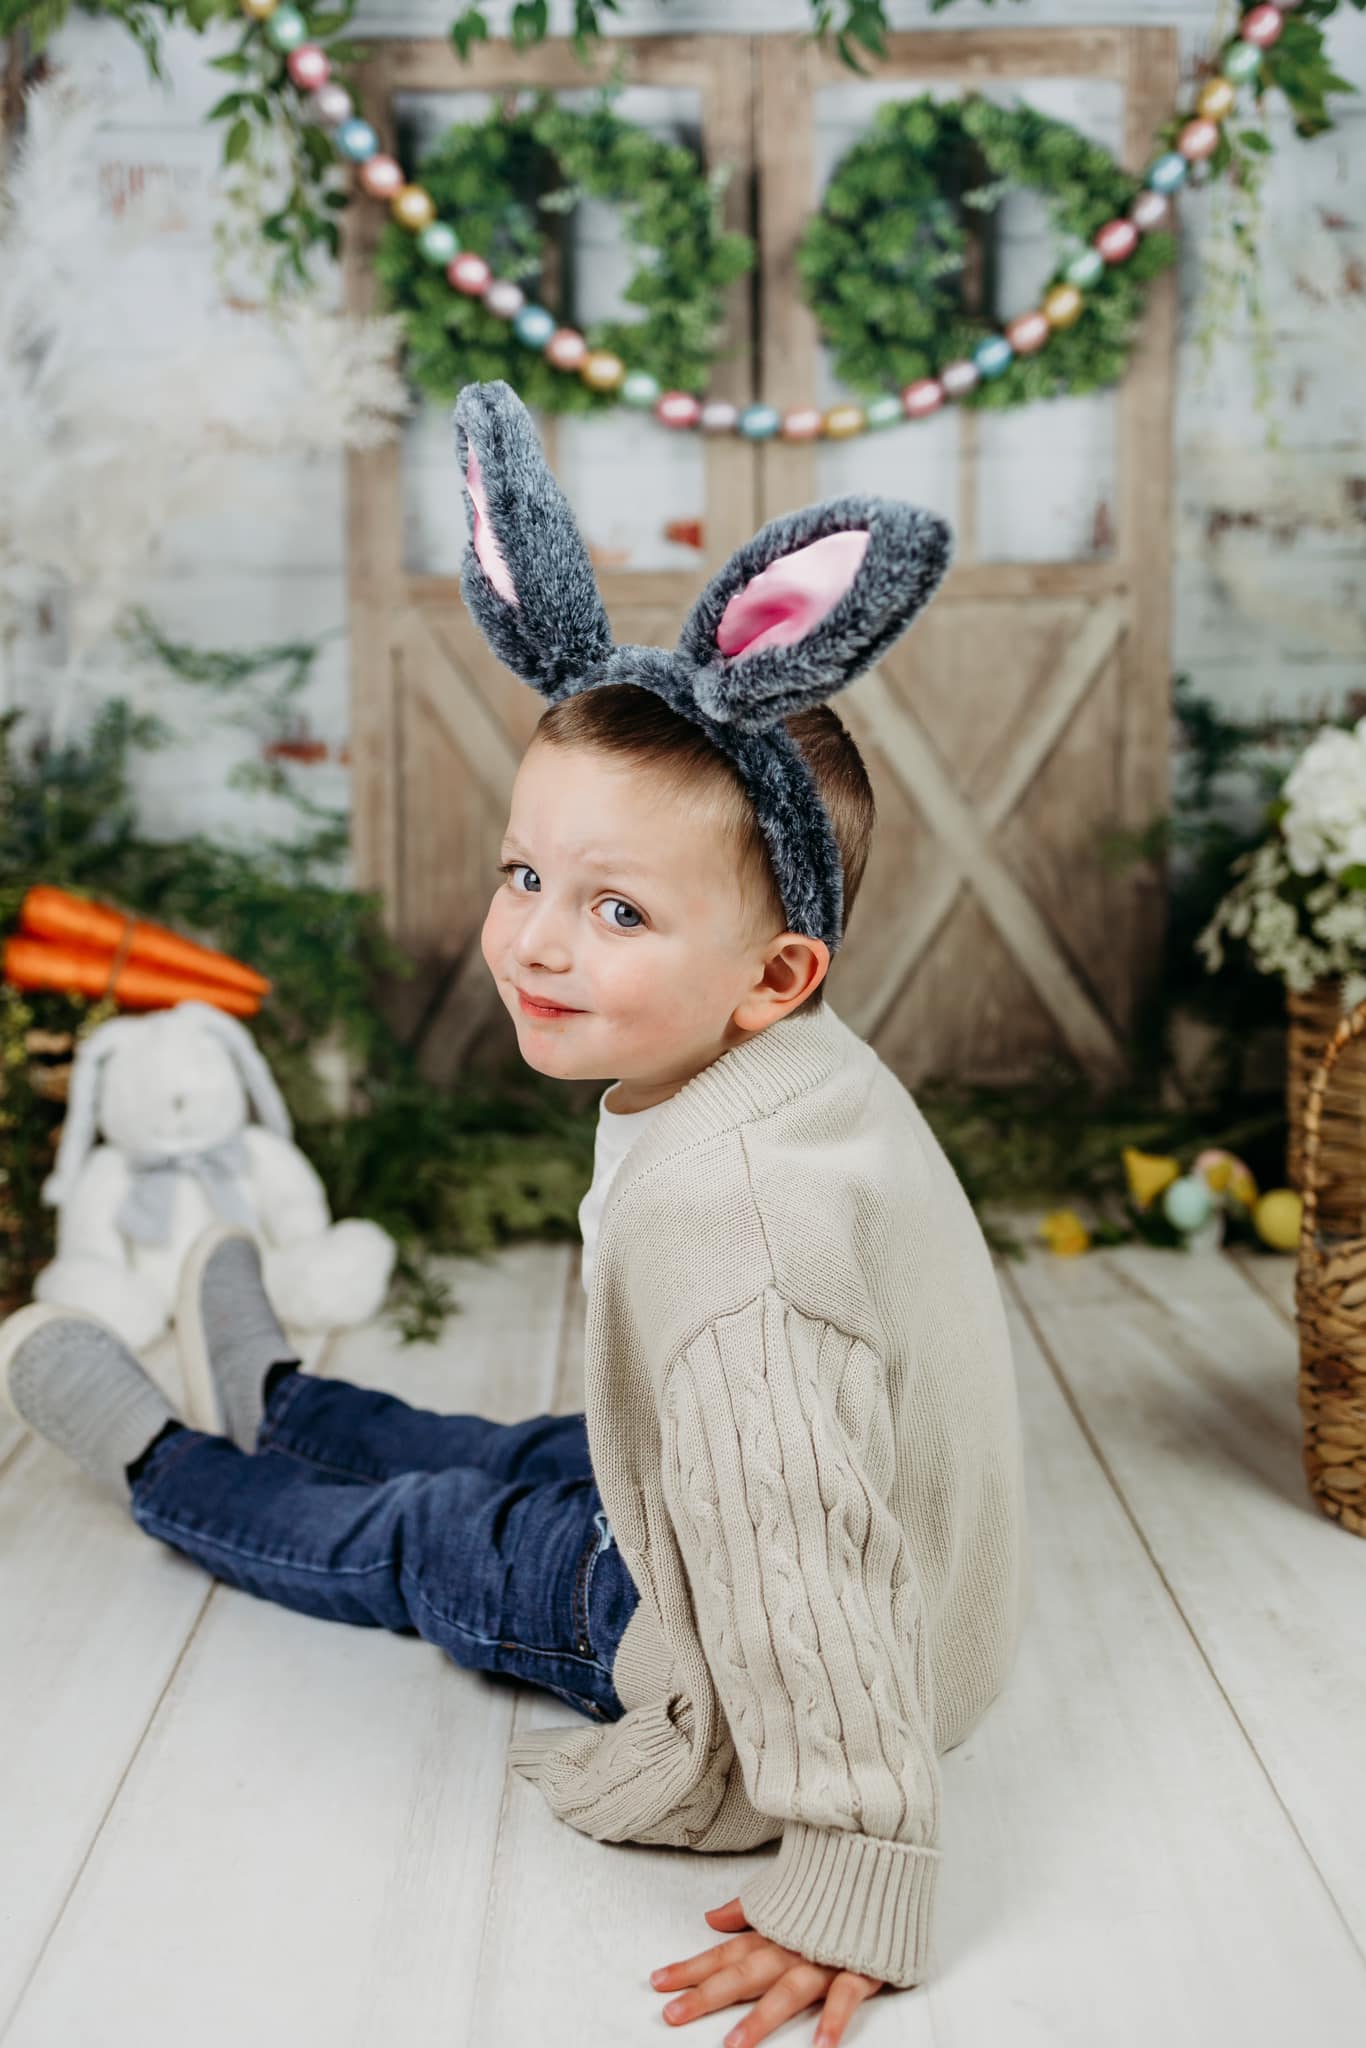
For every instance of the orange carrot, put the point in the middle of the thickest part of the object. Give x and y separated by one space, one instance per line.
53 914
73 970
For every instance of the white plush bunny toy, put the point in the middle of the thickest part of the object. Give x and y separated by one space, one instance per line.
171 1093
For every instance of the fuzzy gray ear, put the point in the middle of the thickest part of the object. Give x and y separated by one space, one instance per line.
805 607
526 577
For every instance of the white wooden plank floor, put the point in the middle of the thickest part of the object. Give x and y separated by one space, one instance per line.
223 1821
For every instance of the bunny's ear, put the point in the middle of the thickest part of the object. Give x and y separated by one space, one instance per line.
262 1093
526 577
805 607
78 1128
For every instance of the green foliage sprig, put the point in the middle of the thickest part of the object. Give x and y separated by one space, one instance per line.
263 115
494 176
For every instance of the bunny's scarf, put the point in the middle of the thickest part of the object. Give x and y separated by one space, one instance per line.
145 1213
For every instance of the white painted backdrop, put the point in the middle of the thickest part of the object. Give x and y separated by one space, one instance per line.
1271 539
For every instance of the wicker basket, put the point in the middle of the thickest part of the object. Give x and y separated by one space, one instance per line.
1330 1303
1312 1018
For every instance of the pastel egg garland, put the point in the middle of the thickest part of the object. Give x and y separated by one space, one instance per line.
1198 141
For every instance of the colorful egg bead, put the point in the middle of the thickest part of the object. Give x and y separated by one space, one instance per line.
504 298
922 398
1084 270
802 423
842 422
308 67
1169 173
602 371
469 274
1217 99
678 409
438 243
413 208
993 356
286 28
566 349
357 139
331 103
719 416
382 176
1198 140
1117 241
1150 211
883 411
534 326
259 10
639 388
959 378
1262 27
758 422
1242 62
1064 306
1028 334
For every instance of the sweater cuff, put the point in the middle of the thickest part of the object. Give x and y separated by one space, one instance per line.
850 1901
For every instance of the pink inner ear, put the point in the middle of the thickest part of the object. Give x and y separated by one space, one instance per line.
783 602
485 545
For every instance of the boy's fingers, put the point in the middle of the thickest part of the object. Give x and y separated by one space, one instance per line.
793 1992
732 1914
693 1968
744 1979
844 1995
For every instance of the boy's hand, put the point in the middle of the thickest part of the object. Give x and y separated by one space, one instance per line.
752 1966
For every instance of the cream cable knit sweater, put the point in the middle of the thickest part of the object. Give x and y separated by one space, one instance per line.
802 1417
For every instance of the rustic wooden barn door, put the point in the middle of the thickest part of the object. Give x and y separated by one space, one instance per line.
1026 714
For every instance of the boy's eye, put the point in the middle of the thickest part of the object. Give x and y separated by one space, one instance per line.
506 867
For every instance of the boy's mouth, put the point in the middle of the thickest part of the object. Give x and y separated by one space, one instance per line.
533 1008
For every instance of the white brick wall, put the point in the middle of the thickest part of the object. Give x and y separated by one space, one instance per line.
1269 600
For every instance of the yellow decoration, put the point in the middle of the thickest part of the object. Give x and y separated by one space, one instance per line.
259 10
1148 1174
1218 99
602 370
1064 1233
1225 1175
1063 306
1276 1219
413 208
842 422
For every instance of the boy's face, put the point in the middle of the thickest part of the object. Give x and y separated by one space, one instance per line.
623 907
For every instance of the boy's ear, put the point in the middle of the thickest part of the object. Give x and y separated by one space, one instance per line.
526 577
805 607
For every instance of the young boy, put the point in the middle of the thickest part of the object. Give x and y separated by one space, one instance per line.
781 1555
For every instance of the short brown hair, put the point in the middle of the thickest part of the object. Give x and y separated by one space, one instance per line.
626 719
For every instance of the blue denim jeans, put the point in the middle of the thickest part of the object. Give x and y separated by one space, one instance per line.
486 1538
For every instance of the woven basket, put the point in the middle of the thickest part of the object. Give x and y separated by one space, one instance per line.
1312 1017
1330 1305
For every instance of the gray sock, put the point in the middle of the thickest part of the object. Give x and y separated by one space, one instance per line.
79 1386
242 1334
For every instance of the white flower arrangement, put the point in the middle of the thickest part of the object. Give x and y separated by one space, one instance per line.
1299 901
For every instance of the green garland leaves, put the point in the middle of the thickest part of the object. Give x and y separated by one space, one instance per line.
493 177
883 260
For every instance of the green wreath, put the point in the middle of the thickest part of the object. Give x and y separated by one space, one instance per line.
494 177
882 261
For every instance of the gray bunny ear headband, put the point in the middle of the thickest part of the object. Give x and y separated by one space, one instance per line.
795 615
